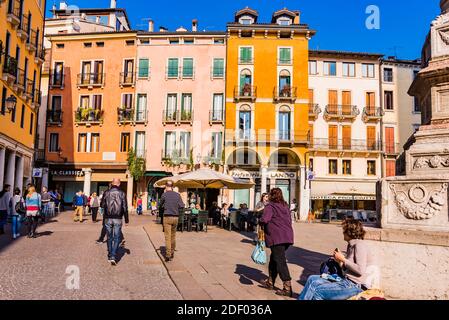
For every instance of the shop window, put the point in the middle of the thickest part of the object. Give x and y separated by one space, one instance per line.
347 167
371 167
333 166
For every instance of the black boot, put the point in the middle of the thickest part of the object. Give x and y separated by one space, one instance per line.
287 290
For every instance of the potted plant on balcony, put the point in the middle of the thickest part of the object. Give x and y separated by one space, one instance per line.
186 115
246 90
286 91
85 114
91 116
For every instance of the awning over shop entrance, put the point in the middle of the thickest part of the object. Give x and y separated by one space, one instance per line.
341 190
157 174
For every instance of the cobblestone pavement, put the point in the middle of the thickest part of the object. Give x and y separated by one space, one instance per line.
36 268
218 265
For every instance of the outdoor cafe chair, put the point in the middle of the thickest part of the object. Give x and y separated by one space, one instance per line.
201 220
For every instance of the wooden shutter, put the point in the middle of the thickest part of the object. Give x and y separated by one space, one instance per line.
347 101
333 101
391 168
371 137
370 100
389 140
311 137
333 137
347 137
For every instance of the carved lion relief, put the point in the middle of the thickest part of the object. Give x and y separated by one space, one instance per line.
434 162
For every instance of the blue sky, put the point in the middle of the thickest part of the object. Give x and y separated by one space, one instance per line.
340 24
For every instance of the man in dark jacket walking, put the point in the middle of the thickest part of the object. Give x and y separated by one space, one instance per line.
170 205
115 207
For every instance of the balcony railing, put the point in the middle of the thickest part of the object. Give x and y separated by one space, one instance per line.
88 116
13 16
20 80
56 79
10 67
372 113
392 148
32 42
177 116
176 156
342 112
285 93
269 138
54 117
345 145
37 97
216 116
22 31
29 89
127 79
39 155
130 115
246 92
186 116
314 111
90 79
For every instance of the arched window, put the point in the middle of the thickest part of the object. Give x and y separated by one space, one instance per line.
284 123
245 122
284 80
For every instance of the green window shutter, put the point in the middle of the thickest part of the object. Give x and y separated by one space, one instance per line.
285 55
187 70
218 67
173 68
246 54
144 68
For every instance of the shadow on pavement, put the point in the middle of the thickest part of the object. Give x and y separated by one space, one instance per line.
310 261
121 253
43 234
249 275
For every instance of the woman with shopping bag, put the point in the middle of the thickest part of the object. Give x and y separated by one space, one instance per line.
259 255
277 225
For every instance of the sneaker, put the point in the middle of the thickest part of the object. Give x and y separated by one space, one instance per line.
113 262
99 242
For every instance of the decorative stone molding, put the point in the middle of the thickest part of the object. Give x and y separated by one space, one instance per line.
440 20
413 205
445 37
434 162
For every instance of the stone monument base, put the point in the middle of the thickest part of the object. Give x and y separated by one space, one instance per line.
414 265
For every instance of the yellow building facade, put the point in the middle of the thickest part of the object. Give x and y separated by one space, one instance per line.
22 55
267 130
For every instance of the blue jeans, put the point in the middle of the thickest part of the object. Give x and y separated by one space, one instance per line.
114 231
3 219
16 224
317 288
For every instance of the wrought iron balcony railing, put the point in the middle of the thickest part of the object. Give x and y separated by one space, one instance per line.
127 79
177 116
216 116
334 111
286 93
246 92
333 144
54 117
373 114
88 116
130 115
33 41
10 66
314 110
56 79
90 79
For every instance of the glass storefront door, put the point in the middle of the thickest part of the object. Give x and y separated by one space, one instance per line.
284 185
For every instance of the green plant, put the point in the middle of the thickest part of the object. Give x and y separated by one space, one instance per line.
136 165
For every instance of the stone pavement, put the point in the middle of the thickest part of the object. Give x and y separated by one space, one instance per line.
218 265
36 268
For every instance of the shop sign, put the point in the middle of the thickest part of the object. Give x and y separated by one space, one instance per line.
68 173
37 172
258 175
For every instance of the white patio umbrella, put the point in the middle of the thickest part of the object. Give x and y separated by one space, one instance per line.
205 179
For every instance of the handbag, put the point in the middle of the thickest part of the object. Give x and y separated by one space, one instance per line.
259 255
332 267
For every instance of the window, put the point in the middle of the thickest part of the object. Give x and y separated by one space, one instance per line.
391 168
217 147
140 144
97 101
127 101
58 72
245 124
347 167
173 68
284 22
311 165
246 21
170 144
218 69
60 45
145 41
219 41
246 55
125 139
174 41
189 41
172 103
333 166
186 107
31 123
95 142
13 114
141 111
187 68
87 44
416 106
100 44
4 93
22 117
330 68
390 140
184 145
53 145
371 167
144 68
313 70
82 142
388 98
84 102
367 70
388 75
130 42
284 124
285 55
348 69
217 107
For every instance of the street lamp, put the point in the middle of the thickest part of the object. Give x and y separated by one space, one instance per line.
11 103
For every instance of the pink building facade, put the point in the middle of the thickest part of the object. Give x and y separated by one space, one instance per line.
181 82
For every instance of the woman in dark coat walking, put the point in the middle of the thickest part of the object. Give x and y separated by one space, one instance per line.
277 224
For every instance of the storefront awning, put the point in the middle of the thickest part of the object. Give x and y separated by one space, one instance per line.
341 190
157 174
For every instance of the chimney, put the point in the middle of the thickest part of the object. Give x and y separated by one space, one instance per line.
113 4
151 26
194 25
62 5
54 10
296 20
163 29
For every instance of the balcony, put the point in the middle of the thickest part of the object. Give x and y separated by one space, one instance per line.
175 157
392 149
22 31
19 84
216 117
13 16
29 89
272 138
56 80
245 93
131 116
341 112
90 80
39 59
373 114
345 145
314 111
177 117
285 94
127 79
9 70
37 98
88 116
39 155
31 44
54 117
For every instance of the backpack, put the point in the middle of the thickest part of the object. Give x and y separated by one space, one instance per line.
331 267
20 207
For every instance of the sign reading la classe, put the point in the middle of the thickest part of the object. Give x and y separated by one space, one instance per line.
68 173
258 175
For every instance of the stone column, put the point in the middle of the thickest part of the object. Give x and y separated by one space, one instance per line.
2 167
264 180
19 173
45 177
130 191
11 169
87 181
304 202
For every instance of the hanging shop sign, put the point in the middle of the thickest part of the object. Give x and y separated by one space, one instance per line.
258 175
68 173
